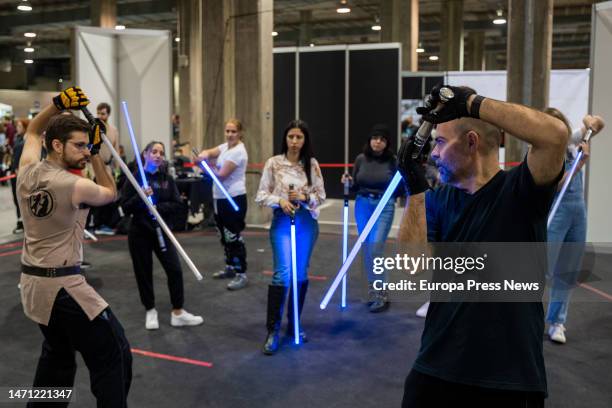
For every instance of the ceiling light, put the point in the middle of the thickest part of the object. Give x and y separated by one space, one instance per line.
28 61
274 33
376 26
29 35
60 80
343 7
420 48
500 18
28 49
177 39
312 44
24 6
119 27
433 58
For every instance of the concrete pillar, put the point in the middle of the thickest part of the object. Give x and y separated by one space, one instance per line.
474 48
254 89
227 72
451 35
490 62
400 23
305 28
104 13
529 60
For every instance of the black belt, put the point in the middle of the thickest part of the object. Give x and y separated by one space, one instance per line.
50 272
375 196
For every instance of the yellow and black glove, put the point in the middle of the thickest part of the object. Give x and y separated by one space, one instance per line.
95 136
71 98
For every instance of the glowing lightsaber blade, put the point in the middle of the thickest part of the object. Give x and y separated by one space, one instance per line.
145 183
568 179
144 198
214 177
351 256
296 314
345 237
90 235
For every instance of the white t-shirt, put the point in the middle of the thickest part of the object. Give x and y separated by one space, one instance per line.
235 183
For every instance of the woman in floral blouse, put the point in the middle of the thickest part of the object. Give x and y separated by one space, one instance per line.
291 185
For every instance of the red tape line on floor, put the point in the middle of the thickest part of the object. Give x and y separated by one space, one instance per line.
597 291
172 358
336 165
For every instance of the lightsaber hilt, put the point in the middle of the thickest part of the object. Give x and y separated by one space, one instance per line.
291 188
145 183
568 179
422 135
144 198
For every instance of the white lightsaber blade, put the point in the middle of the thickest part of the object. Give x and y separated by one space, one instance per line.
90 235
345 238
351 257
143 177
216 180
144 198
296 315
568 179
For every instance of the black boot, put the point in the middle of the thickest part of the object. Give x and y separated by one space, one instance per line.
302 289
276 300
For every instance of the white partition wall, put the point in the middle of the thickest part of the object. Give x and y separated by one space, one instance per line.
569 88
598 191
133 66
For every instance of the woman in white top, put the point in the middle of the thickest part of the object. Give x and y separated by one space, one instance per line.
229 161
292 185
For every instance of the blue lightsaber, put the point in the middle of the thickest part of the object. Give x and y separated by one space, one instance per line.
296 315
373 219
145 183
345 237
214 177
568 179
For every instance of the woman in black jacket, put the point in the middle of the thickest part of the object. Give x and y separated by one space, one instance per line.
143 241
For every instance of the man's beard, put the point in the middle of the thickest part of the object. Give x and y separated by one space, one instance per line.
76 165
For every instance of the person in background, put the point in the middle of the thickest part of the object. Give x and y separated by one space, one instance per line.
372 172
21 126
103 218
568 226
231 161
143 239
292 185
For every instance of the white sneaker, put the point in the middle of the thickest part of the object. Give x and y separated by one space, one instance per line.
185 319
422 311
556 332
151 322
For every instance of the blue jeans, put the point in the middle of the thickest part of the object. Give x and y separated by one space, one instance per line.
374 243
565 261
306 233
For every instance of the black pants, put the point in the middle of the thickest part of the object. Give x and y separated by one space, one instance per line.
102 344
105 215
230 224
424 391
142 242
14 191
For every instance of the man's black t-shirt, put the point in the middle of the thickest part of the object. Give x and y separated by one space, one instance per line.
494 345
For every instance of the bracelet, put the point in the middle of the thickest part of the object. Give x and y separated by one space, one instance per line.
475 107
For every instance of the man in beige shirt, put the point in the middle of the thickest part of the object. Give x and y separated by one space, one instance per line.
54 202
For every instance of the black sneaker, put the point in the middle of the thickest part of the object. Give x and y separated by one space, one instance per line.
19 228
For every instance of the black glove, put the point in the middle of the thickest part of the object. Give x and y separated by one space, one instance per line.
71 98
453 100
95 136
411 170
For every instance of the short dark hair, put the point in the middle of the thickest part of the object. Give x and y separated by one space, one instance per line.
104 105
61 126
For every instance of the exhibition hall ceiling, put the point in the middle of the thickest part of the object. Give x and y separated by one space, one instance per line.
302 22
